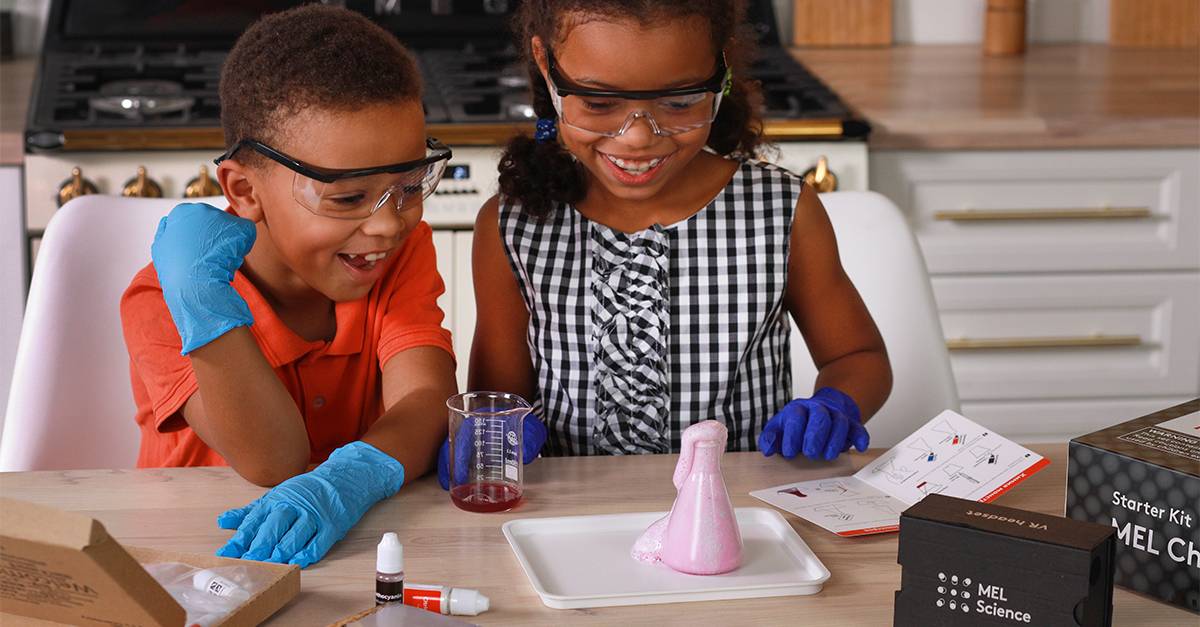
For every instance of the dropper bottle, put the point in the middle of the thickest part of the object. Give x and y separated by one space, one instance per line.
389 570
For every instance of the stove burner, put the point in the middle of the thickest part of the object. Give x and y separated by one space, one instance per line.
138 98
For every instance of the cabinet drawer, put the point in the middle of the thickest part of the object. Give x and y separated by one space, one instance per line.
1048 211
1087 336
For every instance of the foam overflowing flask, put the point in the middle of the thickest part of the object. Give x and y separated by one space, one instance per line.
700 536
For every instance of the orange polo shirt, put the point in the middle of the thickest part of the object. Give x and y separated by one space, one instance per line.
337 385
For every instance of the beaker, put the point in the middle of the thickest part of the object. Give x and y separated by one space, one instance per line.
485 450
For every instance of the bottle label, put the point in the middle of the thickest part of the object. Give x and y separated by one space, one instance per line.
389 592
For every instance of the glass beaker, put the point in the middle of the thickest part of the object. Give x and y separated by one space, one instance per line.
485 450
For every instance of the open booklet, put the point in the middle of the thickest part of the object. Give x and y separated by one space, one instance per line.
950 455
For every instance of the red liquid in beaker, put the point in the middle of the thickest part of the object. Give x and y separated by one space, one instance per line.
485 497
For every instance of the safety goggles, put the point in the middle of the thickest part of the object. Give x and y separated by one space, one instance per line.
357 194
611 113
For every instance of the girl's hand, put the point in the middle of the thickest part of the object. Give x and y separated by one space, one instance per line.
823 426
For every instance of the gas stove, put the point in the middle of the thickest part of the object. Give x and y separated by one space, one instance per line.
127 102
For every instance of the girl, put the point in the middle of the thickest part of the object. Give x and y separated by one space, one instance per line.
635 273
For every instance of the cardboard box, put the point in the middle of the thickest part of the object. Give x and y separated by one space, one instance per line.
61 567
968 563
1143 478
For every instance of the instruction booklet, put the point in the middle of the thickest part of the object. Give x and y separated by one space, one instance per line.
950 455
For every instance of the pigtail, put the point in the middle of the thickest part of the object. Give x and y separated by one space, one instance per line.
540 173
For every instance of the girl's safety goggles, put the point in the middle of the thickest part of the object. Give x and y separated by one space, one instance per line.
357 194
611 113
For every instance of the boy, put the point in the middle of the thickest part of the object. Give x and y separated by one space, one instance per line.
300 326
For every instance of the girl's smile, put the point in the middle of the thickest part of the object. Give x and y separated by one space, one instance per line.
639 172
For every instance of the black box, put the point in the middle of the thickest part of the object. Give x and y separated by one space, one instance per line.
969 563
1142 477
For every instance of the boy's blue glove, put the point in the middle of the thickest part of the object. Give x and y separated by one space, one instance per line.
196 251
532 438
297 521
822 426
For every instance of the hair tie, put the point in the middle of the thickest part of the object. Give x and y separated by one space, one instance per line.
545 130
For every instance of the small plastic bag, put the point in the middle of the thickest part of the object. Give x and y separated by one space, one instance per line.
208 595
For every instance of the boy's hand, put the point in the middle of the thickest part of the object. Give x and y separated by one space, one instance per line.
196 251
532 438
822 426
297 521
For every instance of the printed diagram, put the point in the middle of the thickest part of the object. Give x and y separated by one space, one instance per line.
836 488
883 505
984 455
833 510
928 488
894 474
951 471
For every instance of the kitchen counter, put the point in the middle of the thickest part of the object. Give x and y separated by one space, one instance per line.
1053 96
945 97
16 80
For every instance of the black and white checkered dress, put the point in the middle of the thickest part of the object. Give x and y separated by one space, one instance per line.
634 337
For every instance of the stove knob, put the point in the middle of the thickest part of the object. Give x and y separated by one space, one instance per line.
142 186
820 177
202 186
75 187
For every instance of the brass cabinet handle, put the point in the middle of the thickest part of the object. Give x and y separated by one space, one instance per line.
1042 214
1086 341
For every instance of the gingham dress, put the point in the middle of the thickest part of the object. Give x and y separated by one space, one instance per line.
634 337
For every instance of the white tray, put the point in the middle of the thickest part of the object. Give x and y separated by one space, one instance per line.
584 561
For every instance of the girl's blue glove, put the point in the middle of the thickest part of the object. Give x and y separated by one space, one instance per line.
533 437
297 521
823 426
196 251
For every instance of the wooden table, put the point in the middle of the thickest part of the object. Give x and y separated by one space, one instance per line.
177 509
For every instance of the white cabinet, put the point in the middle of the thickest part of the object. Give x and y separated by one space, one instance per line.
1068 281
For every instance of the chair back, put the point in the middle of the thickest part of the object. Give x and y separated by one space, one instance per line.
71 404
881 257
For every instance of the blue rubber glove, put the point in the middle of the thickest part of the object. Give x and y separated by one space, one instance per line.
196 251
532 438
297 521
823 426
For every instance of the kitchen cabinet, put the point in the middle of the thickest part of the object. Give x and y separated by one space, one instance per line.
1068 281
458 302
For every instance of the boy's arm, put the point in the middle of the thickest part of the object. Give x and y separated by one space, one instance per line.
243 411
416 383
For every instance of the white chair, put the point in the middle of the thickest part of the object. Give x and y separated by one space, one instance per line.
71 405
880 254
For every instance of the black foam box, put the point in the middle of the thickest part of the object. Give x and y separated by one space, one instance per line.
967 563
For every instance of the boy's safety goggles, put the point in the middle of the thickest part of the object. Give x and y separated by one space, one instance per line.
611 113
357 194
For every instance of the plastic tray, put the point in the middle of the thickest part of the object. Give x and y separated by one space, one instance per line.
584 561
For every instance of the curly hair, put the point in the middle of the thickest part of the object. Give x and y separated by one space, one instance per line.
313 55
542 174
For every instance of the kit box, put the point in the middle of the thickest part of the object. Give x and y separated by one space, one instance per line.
1142 477
62 568
968 564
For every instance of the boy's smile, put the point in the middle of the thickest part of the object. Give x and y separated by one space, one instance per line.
304 258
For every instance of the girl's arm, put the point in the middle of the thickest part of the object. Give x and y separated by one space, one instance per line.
841 336
500 359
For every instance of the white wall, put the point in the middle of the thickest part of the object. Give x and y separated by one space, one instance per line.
961 21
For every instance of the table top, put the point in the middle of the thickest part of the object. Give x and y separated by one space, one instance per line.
177 508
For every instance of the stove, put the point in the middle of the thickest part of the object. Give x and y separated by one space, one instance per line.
126 99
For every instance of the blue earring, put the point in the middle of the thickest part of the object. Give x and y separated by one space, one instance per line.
545 130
